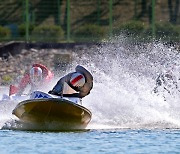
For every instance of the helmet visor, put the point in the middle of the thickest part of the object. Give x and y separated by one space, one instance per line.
36 79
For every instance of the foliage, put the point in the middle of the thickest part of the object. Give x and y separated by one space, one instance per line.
6 79
165 30
4 32
139 32
47 33
89 32
132 28
22 29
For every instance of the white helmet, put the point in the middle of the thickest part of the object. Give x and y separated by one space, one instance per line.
36 75
77 80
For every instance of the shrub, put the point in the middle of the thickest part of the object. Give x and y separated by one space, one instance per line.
89 32
6 79
22 29
46 33
167 31
131 28
4 32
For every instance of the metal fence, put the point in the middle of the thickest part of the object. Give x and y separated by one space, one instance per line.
85 20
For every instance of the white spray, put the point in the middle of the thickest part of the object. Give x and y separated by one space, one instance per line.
124 77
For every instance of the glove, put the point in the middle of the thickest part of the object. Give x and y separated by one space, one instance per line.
51 92
54 93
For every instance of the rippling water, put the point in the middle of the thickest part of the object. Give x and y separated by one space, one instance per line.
92 141
127 117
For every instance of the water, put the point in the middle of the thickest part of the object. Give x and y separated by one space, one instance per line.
127 116
93 141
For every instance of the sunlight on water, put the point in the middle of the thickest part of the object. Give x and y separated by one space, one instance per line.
124 78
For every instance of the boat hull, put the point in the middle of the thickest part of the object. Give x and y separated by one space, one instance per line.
60 112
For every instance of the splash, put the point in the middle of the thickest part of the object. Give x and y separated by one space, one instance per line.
124 78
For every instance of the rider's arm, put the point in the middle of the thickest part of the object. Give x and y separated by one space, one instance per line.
85 90
58 88
23 83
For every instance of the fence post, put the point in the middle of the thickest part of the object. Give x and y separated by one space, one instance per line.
68 20
153 19
27 20
135 9
110 17
98 11
58 11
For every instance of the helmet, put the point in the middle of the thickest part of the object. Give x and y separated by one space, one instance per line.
36 75
77 80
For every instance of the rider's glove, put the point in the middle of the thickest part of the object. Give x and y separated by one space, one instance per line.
54 93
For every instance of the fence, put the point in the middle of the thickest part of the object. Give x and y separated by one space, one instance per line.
87 20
